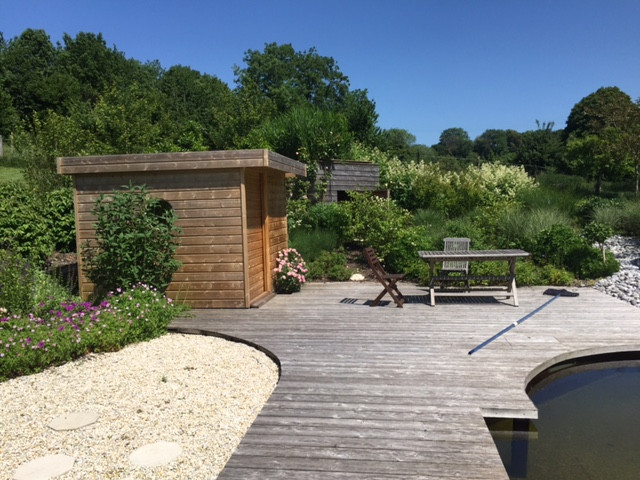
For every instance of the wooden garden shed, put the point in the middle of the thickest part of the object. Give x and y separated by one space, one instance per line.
231 207
350 177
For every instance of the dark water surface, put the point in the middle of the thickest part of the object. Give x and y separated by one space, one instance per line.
588 425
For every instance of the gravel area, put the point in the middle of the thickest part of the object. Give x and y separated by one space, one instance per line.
200 392
624 284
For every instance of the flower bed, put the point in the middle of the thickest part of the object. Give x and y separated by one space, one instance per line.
33 342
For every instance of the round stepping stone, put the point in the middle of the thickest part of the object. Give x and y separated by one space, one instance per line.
73 421
45 467
155 454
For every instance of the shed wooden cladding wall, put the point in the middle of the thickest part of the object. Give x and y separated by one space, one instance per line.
351 177
233 223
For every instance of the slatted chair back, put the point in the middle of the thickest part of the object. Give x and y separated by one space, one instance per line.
389 282
456 244
374 263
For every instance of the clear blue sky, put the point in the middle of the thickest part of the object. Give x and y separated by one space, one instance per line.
428 64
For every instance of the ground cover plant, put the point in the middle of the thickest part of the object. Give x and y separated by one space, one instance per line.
31 342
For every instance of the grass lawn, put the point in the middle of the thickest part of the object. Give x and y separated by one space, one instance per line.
8 174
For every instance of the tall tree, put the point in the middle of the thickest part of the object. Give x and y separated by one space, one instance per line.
600 131
541 149
28 67
195 101
291 78
454 142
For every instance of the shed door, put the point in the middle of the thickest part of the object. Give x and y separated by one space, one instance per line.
255 233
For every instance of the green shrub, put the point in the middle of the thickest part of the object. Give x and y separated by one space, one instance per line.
326 216
135 241
531 274
311 244
555 244
375 222
296 214
402 255
561 246
587 263
59 214
23 229
17 292
330 266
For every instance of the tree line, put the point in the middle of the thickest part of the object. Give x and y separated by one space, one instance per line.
82 97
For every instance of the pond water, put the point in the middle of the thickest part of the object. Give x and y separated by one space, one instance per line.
588 425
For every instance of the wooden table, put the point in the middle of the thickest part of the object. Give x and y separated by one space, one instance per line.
508 289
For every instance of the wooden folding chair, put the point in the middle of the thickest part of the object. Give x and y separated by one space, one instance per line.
388 281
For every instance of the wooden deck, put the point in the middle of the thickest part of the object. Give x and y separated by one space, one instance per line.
390 393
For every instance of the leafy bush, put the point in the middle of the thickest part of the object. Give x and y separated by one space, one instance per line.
135 241
375 222
58 212
492 183
312 244
289 274
563 247
17 275
555 244
402 255
330 266
23 228
322 216
531 274
587 263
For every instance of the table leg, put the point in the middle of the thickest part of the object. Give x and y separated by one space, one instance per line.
512 287
432 294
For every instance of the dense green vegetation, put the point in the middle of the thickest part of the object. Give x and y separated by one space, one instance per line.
554 192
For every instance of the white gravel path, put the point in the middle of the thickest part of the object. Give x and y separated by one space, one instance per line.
201 393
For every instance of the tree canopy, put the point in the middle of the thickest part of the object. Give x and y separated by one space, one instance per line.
81 96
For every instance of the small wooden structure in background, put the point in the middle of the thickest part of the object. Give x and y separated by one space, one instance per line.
350 177
231 207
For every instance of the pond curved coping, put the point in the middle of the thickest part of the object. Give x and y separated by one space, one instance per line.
230 338
587 355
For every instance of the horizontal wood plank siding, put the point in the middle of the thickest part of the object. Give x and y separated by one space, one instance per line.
351 177
208 206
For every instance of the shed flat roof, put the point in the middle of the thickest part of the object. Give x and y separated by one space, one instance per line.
149 162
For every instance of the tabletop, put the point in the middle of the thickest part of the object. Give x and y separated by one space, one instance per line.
506 254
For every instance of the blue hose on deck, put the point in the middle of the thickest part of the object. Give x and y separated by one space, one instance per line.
549 291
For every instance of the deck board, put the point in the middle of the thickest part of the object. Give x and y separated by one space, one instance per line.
392 393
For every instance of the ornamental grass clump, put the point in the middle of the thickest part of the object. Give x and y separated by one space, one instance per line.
289 274
29 343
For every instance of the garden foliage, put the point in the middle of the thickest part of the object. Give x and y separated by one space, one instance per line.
55 334
136 240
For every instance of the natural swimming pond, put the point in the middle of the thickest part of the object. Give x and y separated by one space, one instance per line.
588 424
